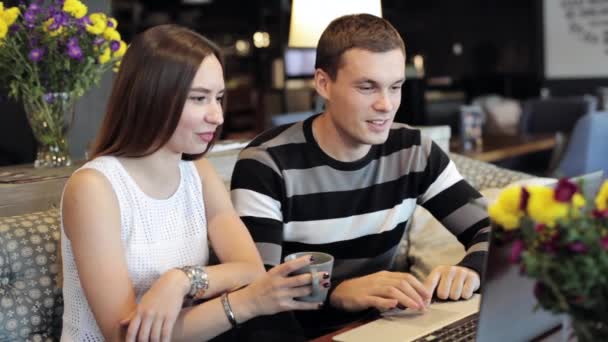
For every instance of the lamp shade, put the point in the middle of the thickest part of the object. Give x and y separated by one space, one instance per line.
310 17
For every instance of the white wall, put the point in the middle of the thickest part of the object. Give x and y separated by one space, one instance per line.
576 38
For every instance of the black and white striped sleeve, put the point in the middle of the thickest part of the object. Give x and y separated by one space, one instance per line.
457 205
257 192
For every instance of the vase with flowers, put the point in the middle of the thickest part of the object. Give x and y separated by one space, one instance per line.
51 53
561 241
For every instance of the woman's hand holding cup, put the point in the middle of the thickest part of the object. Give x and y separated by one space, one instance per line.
276 290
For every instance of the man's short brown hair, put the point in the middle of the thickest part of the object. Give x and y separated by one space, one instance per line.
363 31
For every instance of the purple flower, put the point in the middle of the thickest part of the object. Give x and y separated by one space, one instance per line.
33 7
29 16
36 54
516 249
60 18
564 190
75 52
34 41
114 45
48 98
72 41
577 247
14 28
98 40
604 243
84 21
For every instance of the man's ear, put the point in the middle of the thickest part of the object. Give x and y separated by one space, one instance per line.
322 83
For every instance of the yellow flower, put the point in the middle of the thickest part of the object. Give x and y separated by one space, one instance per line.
506 210
116 66
105 56
543 208
121 50
99 22
10 15
111 34
3 29
601 201
51 33
76 8
114 23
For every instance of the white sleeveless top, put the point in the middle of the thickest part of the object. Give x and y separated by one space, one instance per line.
157 235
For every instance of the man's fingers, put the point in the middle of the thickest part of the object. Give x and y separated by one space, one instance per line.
380 303
431 283
445 283
420 288
457 284
411 294
471 284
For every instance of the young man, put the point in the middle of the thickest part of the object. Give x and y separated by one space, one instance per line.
347 181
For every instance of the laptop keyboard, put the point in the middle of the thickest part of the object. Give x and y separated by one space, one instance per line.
462 330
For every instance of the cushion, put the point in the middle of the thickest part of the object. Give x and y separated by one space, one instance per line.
31 304
431 244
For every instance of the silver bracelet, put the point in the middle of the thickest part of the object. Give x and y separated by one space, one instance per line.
199 282
228 310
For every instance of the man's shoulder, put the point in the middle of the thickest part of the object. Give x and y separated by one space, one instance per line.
278 136
403 136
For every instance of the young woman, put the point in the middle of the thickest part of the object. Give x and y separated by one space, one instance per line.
138 217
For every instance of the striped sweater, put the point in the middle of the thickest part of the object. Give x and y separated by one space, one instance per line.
293 197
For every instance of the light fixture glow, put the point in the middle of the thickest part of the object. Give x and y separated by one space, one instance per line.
310 17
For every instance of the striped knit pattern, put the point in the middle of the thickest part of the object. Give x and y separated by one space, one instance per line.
293 197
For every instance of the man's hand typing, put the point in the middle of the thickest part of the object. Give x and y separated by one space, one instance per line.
382 290
454 282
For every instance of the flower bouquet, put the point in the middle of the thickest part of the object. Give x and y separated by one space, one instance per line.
51 53
561 241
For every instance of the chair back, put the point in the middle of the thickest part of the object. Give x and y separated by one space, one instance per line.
587 149
554 115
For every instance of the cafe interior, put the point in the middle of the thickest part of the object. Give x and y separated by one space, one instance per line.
513 90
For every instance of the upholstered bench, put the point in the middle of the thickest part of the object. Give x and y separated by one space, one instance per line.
31 304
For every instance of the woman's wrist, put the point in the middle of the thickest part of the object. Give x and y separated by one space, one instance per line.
181 280
242 305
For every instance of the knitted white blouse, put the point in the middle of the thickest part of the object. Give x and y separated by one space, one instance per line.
157 235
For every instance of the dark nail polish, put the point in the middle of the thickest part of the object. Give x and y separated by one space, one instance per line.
401 306
312 258
327 285
325 275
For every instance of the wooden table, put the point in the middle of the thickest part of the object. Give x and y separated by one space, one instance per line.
496 147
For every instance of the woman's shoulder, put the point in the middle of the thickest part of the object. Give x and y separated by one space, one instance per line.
91 180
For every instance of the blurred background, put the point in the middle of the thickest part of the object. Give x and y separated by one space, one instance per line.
503 56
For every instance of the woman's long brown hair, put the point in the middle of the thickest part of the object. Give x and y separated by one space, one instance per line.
150 90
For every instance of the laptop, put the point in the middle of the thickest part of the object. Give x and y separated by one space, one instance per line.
504 312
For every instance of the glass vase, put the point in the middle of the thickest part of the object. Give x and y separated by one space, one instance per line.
50 117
